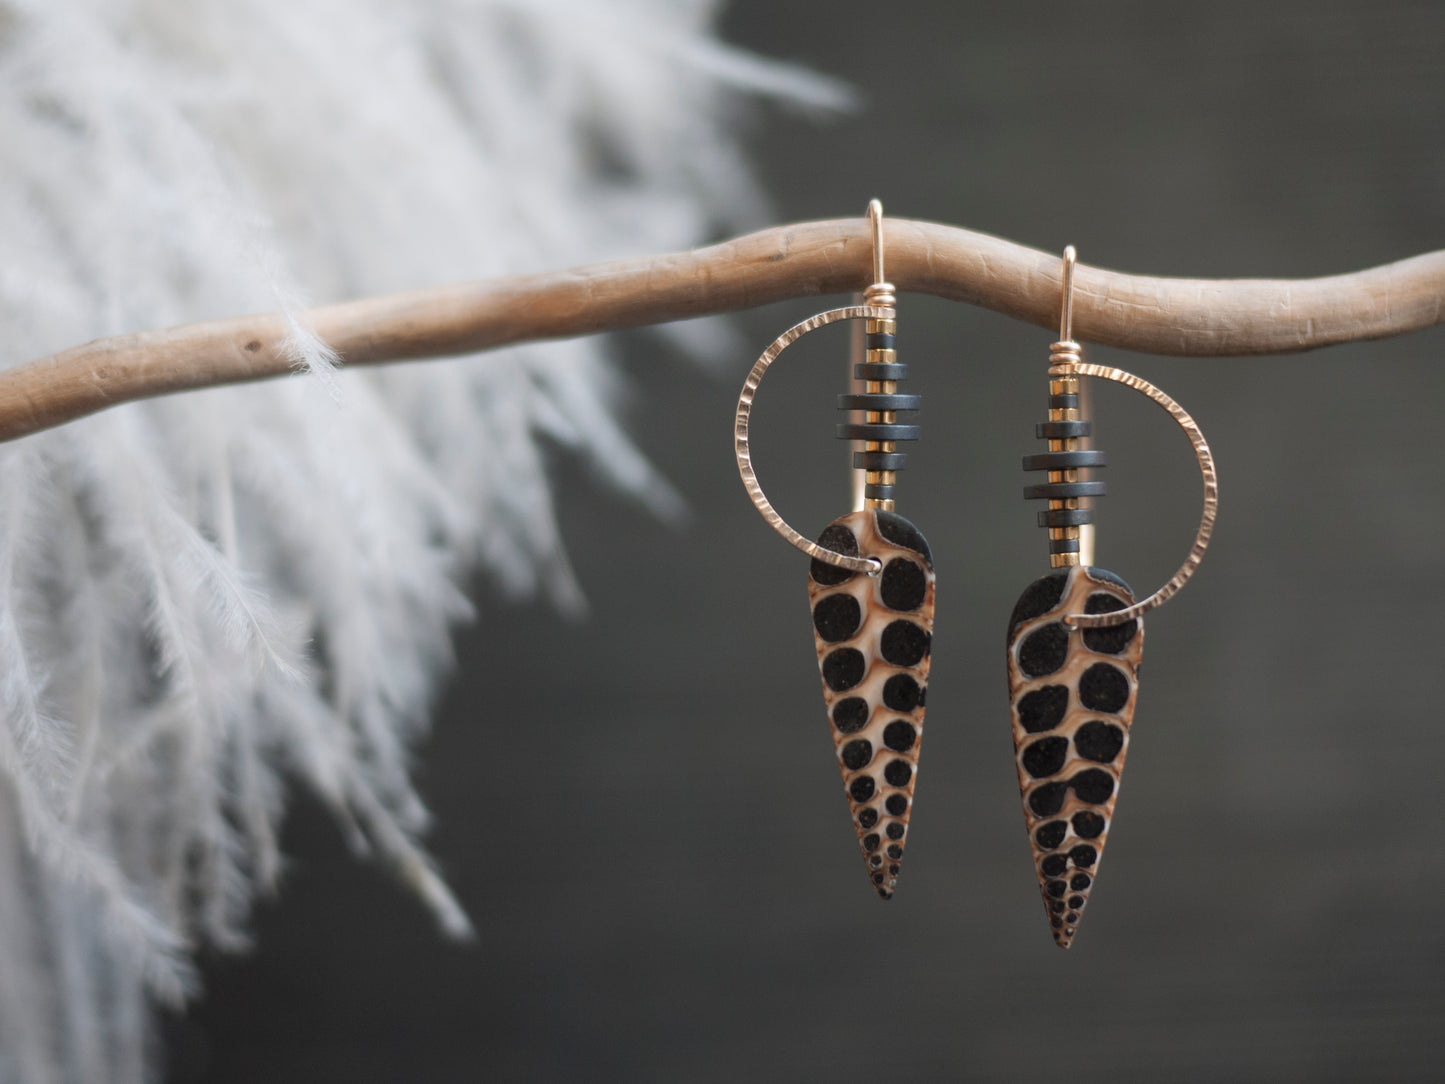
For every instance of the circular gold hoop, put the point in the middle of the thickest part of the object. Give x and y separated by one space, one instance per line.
1211 497
870 565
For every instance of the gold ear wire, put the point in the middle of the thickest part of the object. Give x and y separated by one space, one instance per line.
1066 314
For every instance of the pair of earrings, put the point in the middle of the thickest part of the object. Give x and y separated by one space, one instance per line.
1074 638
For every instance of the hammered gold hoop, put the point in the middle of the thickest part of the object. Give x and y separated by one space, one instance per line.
743 448
1205 459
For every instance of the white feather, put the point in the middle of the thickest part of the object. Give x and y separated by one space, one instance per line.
202 595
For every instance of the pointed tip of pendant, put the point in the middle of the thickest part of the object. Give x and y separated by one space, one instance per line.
1064 928
885 884
884 865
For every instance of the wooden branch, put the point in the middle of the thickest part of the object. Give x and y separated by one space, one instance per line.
1185 317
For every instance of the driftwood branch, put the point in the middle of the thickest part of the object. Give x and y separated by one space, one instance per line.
1185 317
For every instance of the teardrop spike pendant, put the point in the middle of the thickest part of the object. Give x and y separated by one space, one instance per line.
1075 642
874 635
870 587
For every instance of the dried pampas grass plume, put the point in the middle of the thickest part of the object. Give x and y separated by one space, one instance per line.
201 595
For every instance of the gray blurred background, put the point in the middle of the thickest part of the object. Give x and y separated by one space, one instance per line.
650 831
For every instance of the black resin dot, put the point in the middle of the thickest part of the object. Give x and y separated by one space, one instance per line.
862 788
1083 855
1076 902
898 773
884 894
904 585
878 880
1043 709
1088 825
1099 741
875 860
1103 688
894 831
1043 650
900 532
1056 922
903 643
893 869
1050 835
842 669
900 692
1054 865
867 818
837 617
899 735
857 753
1070 918
1056 888
1045 756
894 851
851 714
1114 638
1093 786
1056 906
839 539
871 841
1048 799
1080 881
1039 597
897 804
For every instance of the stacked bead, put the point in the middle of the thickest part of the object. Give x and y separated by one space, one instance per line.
881 403
1064 459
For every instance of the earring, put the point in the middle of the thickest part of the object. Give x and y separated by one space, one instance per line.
1075 640
870 586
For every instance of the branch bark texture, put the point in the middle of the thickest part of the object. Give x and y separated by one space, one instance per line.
1182 317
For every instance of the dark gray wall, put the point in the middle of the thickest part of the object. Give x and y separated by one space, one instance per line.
642 811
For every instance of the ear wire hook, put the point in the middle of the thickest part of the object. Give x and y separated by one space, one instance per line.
875 220
1066 315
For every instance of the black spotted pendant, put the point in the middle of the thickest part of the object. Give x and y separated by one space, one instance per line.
874 635
1073 693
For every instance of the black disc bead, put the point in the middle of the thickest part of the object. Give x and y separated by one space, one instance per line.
1066 517
1062 430
1061 491
880 460
1082 457
876 400
879 371
877 431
